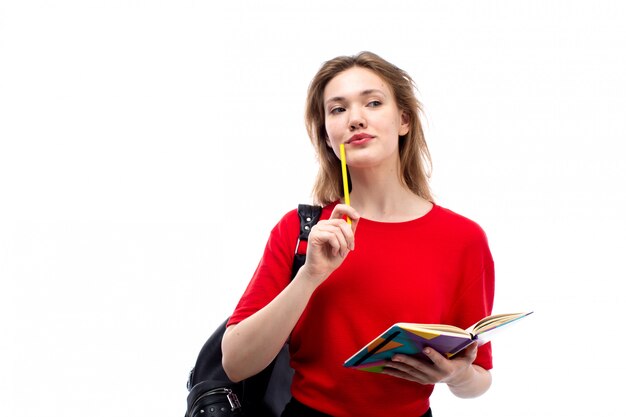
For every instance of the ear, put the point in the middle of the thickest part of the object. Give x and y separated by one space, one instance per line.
405 121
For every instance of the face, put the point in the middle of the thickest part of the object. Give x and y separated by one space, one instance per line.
361 112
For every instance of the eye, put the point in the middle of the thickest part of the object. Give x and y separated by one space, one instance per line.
374 103
336 110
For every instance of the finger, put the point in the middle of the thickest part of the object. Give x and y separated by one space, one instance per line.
342 210
323 238
470 352
347 231
402 366
403 375
435 357
338 232
423 370
408 363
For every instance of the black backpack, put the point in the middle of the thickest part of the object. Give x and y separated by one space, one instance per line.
212 394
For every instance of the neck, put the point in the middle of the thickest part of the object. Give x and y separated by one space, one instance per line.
383 196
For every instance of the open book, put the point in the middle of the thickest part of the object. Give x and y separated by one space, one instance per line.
411 338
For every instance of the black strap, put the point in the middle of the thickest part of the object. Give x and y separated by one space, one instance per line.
309 216
253 392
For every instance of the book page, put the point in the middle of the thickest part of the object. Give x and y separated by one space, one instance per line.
497 320
436 328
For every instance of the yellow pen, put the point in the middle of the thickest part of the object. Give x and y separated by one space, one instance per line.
344 175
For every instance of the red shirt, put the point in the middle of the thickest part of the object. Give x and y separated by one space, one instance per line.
434 269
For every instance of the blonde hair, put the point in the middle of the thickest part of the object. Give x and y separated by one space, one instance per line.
415 161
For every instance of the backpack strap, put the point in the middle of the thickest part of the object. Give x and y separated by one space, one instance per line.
253 392
309 216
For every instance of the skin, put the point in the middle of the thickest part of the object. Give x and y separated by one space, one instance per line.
355 101
359 101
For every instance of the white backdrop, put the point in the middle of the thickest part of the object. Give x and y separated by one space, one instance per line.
148 147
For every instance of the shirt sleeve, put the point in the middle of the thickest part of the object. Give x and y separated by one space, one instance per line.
273 272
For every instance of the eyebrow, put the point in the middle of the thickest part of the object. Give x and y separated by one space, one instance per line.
363 93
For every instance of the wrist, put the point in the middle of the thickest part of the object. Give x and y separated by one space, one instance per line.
472 382
311 277
461 379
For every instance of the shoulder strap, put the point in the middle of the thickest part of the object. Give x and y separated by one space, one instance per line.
309 216
253 391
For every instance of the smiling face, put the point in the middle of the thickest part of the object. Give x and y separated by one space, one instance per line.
361 112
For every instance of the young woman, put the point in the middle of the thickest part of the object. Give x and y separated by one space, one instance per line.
403 259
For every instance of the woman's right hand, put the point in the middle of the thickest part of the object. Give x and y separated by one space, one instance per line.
329 243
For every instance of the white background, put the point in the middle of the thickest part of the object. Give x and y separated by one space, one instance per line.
148 147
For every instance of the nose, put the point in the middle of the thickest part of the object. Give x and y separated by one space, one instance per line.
357 121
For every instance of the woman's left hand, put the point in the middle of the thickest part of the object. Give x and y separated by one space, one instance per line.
433 369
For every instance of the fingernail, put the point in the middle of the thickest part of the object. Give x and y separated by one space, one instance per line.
427 351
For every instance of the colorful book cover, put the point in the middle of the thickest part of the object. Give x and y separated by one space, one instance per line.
411 339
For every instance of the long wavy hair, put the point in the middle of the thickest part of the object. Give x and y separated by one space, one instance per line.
415 161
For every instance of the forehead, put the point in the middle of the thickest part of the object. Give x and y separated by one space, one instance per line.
353 81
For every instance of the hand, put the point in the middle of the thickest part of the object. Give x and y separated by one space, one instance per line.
434 368
330 242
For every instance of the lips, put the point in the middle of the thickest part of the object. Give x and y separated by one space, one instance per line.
359 137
